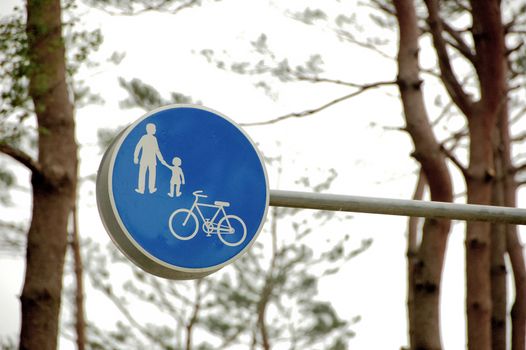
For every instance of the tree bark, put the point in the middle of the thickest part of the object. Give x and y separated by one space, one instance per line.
80 323
513 244
54 185
498 251
412 250
430 257
478 297
488 37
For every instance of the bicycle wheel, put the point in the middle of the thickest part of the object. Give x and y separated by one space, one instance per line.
231 230
183 224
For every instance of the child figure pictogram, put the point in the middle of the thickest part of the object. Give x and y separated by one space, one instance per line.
177 177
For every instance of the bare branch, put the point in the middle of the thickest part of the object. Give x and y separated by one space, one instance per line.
395 128
316 79
432 72
443 113
519 168
519 138
518 116
462 6
309 112
24 158
380 5
515 48
456 136
459 43
195 313
453 87
455 160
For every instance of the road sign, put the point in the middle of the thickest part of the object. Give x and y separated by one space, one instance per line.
182 191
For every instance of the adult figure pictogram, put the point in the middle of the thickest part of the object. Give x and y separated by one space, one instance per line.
148 148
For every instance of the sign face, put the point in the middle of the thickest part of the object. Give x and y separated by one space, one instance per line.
182 191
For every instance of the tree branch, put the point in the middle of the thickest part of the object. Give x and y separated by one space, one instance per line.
451 83
443 114
514 48
519 138
120 304
518 116
316 79
195 314
390 11
80 314
22 157
519 168
308 112
455 160
459 43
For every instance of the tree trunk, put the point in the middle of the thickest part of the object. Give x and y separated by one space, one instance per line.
498 251
479 186
430 257
80 323
54 185
412 250
513 244
488 37
518 311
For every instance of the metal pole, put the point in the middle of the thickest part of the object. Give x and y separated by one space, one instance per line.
404 207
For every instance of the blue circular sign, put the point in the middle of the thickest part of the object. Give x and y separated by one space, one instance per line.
183 191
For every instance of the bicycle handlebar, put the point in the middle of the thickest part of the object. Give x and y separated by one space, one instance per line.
198 194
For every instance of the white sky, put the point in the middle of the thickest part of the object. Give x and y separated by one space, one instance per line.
162 50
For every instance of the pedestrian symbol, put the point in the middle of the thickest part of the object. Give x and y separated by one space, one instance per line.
194 214
149 150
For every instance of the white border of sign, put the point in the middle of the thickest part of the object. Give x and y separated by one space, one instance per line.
116 228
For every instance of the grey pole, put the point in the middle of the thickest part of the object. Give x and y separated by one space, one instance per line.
404 207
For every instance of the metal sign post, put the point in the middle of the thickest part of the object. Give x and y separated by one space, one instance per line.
404 207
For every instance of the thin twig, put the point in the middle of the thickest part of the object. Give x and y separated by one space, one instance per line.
455 160
518 116
443 113
309 112
317 79
459 43
160 8
519 168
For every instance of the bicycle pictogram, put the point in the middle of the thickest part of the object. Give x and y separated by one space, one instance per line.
230 229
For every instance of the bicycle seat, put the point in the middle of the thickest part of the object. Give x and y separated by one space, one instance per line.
222 204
